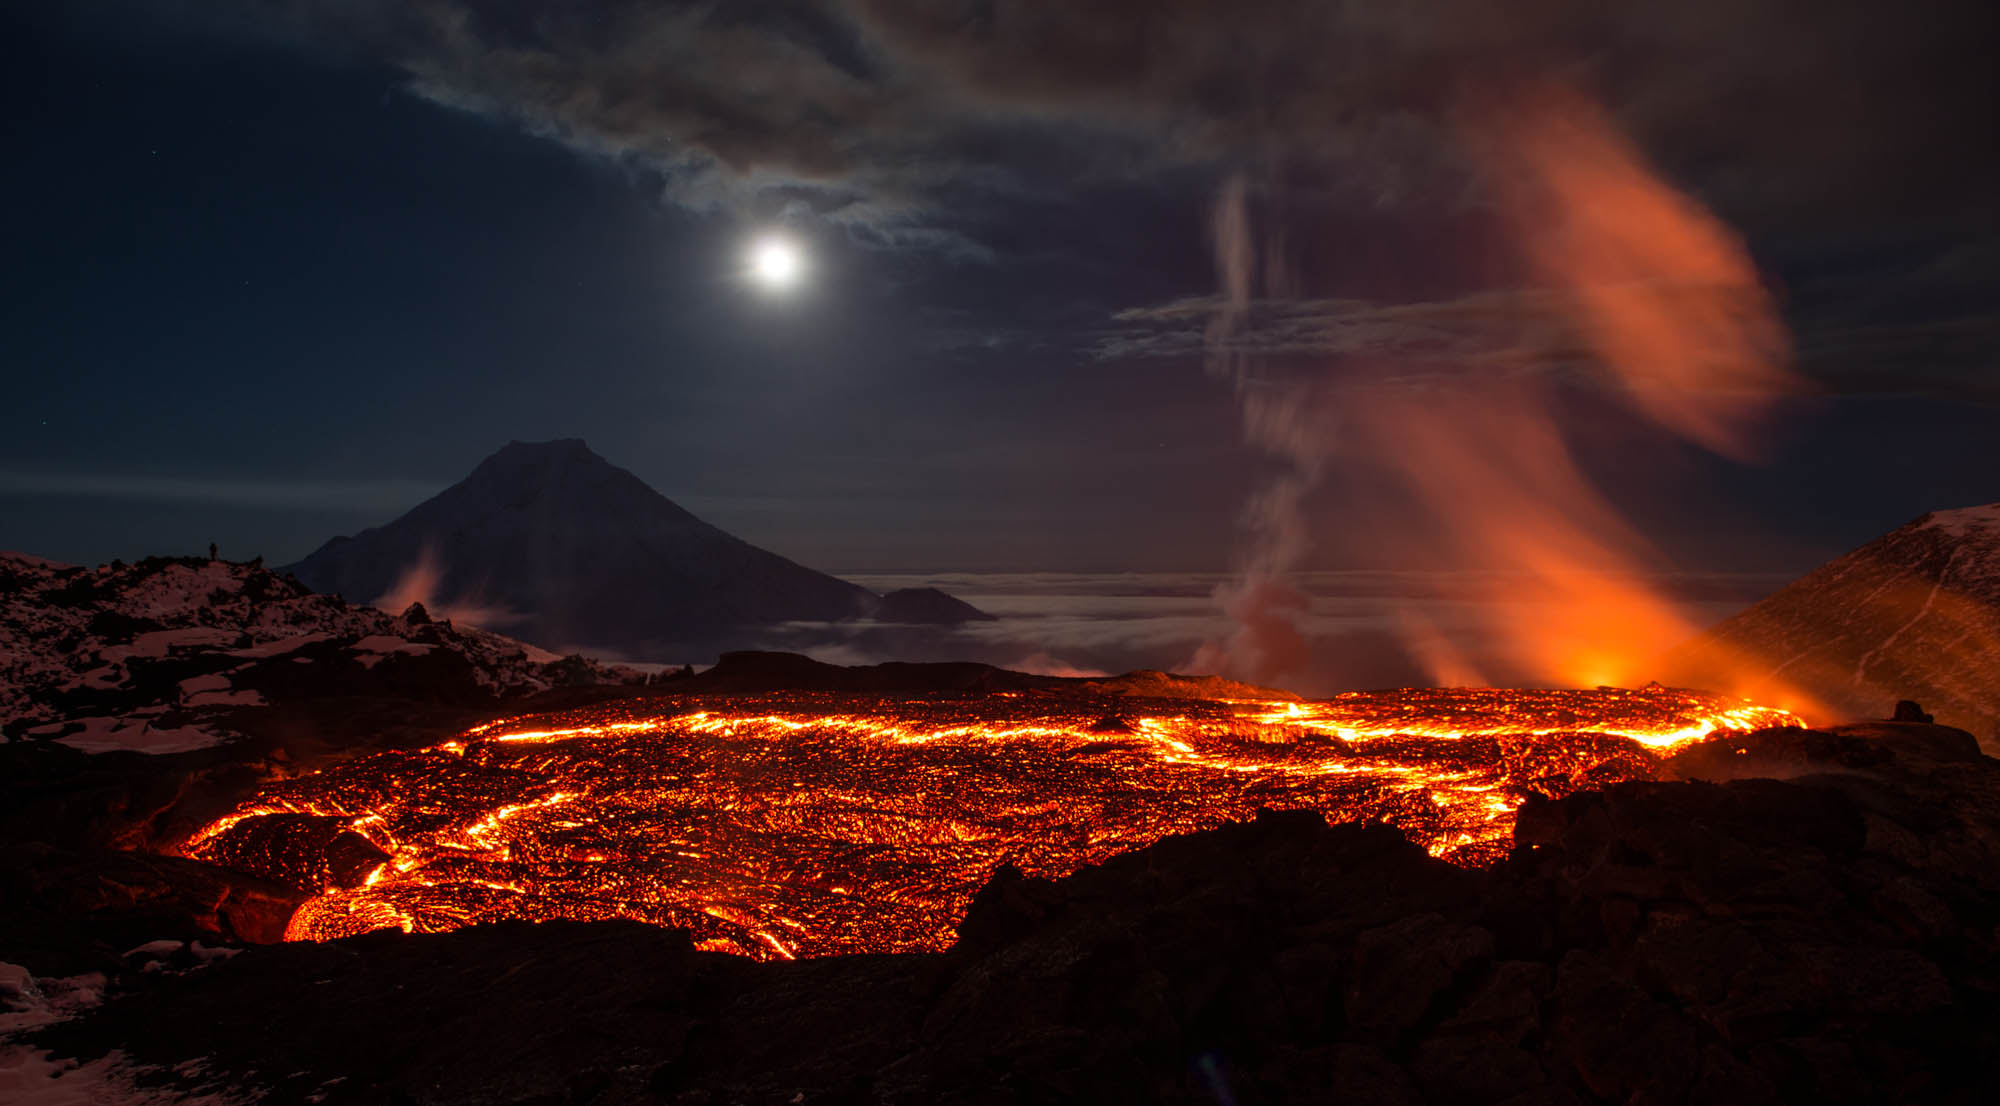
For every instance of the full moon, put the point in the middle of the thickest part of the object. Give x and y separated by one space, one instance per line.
775 263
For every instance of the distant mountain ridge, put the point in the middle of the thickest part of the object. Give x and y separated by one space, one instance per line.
551 543
1914 614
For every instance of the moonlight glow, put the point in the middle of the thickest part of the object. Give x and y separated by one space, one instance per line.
775 263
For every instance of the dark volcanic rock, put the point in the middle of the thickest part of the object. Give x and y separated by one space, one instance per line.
1909 711
77 910
56 795
1825 937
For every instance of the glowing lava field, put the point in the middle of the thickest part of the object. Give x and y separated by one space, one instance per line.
810 823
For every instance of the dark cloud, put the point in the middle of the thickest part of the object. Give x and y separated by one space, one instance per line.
893 114
930 124
237 252
1753 98
760 110
681 85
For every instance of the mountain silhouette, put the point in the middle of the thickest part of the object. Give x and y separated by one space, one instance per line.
553 544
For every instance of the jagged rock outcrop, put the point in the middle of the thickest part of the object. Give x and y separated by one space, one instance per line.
1721 937
165 656
1914 614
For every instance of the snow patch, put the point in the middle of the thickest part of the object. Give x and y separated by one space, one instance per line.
194 685
375 647
384 643
31 1077
108 678
157 644
242 698
215 690
1966 520
108 735
279 647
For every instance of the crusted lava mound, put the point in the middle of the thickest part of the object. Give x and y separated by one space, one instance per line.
1799 916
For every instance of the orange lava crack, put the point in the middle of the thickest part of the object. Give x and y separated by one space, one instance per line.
802 825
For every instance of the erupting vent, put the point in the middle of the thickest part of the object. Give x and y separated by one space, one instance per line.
813 824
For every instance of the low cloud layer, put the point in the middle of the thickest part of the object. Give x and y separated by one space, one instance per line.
1354 624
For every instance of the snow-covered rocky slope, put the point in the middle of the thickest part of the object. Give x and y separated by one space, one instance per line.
156 656
1914 614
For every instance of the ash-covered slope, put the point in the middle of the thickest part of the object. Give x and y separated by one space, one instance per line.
558 546
1914 614
157 656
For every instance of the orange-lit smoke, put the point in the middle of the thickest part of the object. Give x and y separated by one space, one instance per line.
1664 293
1645 287
420 582
1488 468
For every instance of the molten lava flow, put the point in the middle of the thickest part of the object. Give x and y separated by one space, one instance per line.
797 825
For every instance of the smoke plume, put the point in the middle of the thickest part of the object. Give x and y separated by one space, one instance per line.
1652 297
423 582
1262 602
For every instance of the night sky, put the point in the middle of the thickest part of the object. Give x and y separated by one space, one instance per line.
279 271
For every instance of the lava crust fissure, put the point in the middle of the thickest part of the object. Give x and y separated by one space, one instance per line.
795 825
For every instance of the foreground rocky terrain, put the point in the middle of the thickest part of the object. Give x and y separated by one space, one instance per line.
1792 915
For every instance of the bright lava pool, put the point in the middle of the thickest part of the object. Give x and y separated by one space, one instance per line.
811 824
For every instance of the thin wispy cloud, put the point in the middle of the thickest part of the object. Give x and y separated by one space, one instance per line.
332 495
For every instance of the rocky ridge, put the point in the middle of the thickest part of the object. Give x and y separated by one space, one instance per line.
165 655
1914 613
